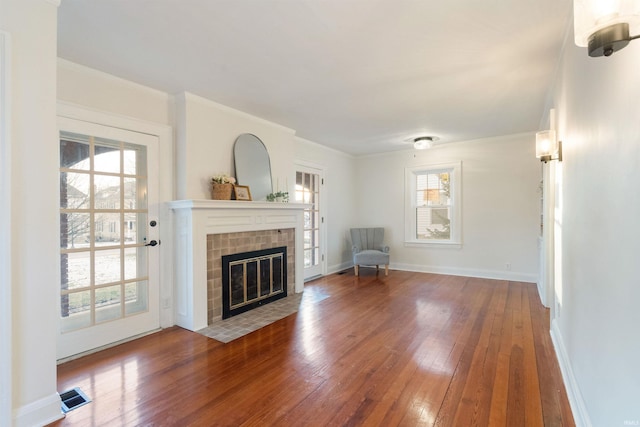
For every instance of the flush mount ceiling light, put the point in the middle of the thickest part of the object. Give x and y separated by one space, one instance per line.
605 26
423 142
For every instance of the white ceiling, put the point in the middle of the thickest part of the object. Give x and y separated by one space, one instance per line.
362 76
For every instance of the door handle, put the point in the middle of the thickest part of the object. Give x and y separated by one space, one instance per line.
153 243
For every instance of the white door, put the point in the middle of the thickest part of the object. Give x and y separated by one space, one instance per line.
108 235
309 183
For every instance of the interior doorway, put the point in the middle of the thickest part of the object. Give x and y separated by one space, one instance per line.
309 190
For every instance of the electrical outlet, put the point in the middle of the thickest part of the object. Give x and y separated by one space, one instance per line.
165 303
508 266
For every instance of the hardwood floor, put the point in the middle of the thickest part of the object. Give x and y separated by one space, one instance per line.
410 349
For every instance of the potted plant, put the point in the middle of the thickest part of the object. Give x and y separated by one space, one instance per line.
222 187
278 196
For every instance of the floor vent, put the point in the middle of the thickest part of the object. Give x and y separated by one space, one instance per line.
341 272
73 399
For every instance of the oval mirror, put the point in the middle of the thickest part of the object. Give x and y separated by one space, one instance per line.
253 167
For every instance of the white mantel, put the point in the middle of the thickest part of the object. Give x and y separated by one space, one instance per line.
195 219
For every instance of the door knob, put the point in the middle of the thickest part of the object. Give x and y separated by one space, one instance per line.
152 243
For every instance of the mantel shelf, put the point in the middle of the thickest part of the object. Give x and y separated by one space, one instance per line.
234 204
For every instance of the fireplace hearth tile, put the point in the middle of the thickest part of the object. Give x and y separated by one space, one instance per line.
237 326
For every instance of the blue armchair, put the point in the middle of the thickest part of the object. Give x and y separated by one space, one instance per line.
368 248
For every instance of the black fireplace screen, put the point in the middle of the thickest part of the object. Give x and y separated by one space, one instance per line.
251 279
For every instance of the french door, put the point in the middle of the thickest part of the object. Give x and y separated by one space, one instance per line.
309 182
108 235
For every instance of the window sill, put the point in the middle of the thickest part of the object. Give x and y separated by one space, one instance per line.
432 244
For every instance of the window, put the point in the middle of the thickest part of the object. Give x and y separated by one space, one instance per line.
432 204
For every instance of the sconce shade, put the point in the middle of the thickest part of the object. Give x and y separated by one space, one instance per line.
546 145
605 26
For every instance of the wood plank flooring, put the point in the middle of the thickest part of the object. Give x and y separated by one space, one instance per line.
410 349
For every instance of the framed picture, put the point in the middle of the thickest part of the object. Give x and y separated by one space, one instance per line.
242 192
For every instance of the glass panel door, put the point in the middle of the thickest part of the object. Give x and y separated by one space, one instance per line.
308 184
104 217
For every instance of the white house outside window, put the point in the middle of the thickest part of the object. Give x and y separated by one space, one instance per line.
433 204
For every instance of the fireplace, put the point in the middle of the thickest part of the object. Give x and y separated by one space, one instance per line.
206 230
252 279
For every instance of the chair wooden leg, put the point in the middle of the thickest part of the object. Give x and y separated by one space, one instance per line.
377 268
355 267
386 269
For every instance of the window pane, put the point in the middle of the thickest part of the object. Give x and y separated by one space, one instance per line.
136 297
307 219
135 191
130 263
107 266
76 270
131 223
308 257
74 151
107 191
107 156
307 182
75 311
74 190
433 189
107 228
135 160
433 223
108 305
74 230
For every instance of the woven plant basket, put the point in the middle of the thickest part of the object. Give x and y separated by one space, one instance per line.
221 191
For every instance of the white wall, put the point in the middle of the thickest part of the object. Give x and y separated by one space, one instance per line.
206 133
32 25
598 291
104 92
339 173
500 207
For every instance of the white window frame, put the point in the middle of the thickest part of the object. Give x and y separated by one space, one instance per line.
410 174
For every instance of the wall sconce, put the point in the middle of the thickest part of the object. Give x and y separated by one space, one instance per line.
605 26
547 146
424 142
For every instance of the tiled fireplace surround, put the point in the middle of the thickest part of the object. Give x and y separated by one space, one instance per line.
219 245
204 230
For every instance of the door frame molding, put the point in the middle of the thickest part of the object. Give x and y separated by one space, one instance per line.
6 326
164 133
306 166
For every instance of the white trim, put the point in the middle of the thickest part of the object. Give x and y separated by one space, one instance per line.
578 406
339 267
410 173
166 190
513 276
56 3
315 168
6 378
41 412
187 96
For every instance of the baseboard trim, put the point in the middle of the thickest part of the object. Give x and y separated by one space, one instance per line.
39 413
339 267
578 407
467 272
